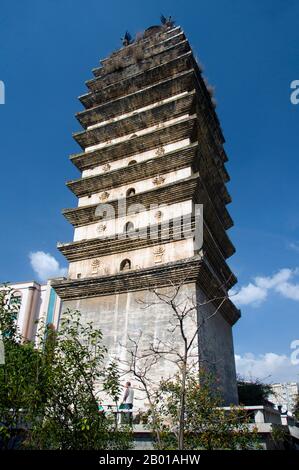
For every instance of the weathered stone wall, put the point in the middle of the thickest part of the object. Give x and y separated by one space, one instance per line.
216 348
140 157
140 259
142 219
120 192
125 314
137 133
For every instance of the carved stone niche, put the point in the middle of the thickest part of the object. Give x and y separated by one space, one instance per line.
95 266
158 254
106 167
158 180
101 228
104 196
159 215
160 151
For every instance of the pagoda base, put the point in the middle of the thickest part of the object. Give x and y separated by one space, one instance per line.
121 315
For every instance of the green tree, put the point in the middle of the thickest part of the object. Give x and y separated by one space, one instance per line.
77 376
111 384
49 396
253 392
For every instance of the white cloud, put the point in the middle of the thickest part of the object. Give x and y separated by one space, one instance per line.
256 292
269 367
288 290
45 265
271 282
249 294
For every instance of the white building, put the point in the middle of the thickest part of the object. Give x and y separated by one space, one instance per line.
38 303
284 395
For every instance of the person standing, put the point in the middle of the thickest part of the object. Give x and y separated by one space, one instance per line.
128 399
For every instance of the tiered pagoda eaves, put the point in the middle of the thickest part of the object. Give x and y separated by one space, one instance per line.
151 137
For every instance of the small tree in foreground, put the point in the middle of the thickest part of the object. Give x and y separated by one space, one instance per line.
253 392
77 375
184 411
49 398
179 347
22 377
206 424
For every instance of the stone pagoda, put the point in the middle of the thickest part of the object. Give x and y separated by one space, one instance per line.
152 151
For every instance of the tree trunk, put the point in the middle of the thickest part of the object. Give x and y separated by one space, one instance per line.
182 408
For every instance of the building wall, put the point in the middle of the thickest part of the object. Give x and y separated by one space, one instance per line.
38 303
141 258
122 315
137 133
32 297
216 348
136 111
119 192
116 225
284 395
140 157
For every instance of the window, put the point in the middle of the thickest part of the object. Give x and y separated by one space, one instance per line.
129 227
103 215
16 298
15 303
130 192
125 265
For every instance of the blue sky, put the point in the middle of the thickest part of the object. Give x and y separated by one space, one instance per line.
250 53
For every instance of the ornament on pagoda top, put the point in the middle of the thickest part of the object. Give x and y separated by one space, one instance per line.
167 21
127 39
